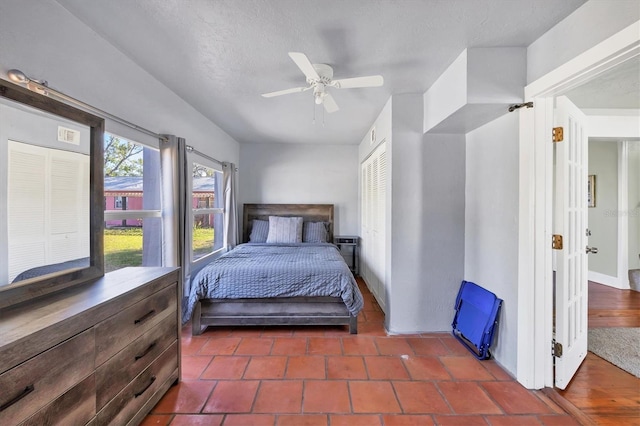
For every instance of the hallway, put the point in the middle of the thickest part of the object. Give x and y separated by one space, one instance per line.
604 393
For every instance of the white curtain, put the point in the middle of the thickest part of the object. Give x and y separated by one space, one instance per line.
230 206
176 223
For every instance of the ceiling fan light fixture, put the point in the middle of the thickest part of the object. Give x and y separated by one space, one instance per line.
319 77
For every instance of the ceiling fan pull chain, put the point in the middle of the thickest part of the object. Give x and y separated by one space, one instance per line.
314 113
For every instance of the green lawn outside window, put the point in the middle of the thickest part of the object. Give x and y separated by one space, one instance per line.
123 246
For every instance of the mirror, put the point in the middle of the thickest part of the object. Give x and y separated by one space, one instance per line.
51 188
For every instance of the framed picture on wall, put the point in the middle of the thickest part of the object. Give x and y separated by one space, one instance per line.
591 191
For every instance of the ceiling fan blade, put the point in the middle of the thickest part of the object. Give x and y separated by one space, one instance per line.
329 103
368 81
305 65
285 92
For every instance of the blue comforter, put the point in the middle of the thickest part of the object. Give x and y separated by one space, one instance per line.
276 270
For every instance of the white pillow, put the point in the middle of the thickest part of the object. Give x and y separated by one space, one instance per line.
285 229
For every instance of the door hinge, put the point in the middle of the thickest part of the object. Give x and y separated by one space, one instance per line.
556 349
557 134
557 242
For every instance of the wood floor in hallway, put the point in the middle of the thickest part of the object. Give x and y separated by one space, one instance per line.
606 394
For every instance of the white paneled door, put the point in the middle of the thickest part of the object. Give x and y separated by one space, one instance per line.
570 222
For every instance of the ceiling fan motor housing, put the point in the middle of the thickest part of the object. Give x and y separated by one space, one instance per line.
325 72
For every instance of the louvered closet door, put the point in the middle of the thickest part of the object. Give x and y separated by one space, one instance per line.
364 248
373 213
381 208
47 207
26 208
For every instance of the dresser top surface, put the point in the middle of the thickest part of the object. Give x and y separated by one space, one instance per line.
82 303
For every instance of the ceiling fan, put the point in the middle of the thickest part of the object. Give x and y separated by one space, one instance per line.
319 77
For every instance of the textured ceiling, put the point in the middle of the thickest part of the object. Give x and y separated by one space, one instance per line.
618 87
220 55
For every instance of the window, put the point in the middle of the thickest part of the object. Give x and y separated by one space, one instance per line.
133 227
207 211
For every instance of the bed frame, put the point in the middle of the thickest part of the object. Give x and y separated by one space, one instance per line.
281 310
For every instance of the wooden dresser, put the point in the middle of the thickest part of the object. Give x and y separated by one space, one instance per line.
99 353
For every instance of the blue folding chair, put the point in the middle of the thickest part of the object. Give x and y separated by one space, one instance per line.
476 318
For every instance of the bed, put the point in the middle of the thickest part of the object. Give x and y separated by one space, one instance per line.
260 283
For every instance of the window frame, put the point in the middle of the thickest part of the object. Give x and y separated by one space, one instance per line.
119 214
193 159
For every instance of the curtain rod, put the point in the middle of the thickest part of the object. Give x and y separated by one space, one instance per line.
46 90
203 155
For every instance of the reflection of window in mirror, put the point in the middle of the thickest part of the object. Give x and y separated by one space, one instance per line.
44 184
207 211
133 227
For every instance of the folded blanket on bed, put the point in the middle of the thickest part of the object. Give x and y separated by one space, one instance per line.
276 270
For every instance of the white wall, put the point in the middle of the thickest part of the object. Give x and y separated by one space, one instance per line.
292 173
603 218
634 204
382 127
447 94
425 217
46 42
590 24
427 221
491 224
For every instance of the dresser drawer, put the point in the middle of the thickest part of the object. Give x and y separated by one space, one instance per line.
30 386
76 407
118 371
120 330
133 397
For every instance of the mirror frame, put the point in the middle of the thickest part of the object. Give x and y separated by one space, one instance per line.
22 291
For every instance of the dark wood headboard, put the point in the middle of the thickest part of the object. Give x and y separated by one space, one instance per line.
309 213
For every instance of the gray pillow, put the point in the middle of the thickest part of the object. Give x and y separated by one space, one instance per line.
285 229
259 231
315 232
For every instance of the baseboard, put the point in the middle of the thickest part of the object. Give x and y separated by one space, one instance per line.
608 280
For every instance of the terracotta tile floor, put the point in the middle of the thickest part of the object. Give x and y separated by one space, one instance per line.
325 376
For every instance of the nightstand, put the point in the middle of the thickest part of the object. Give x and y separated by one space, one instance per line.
348 246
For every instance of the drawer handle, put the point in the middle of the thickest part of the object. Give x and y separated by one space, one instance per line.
153 379
24 393
145 317
146 351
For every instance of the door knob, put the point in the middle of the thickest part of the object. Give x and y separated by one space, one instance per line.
592 250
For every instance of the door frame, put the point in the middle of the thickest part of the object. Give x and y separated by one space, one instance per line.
535 277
